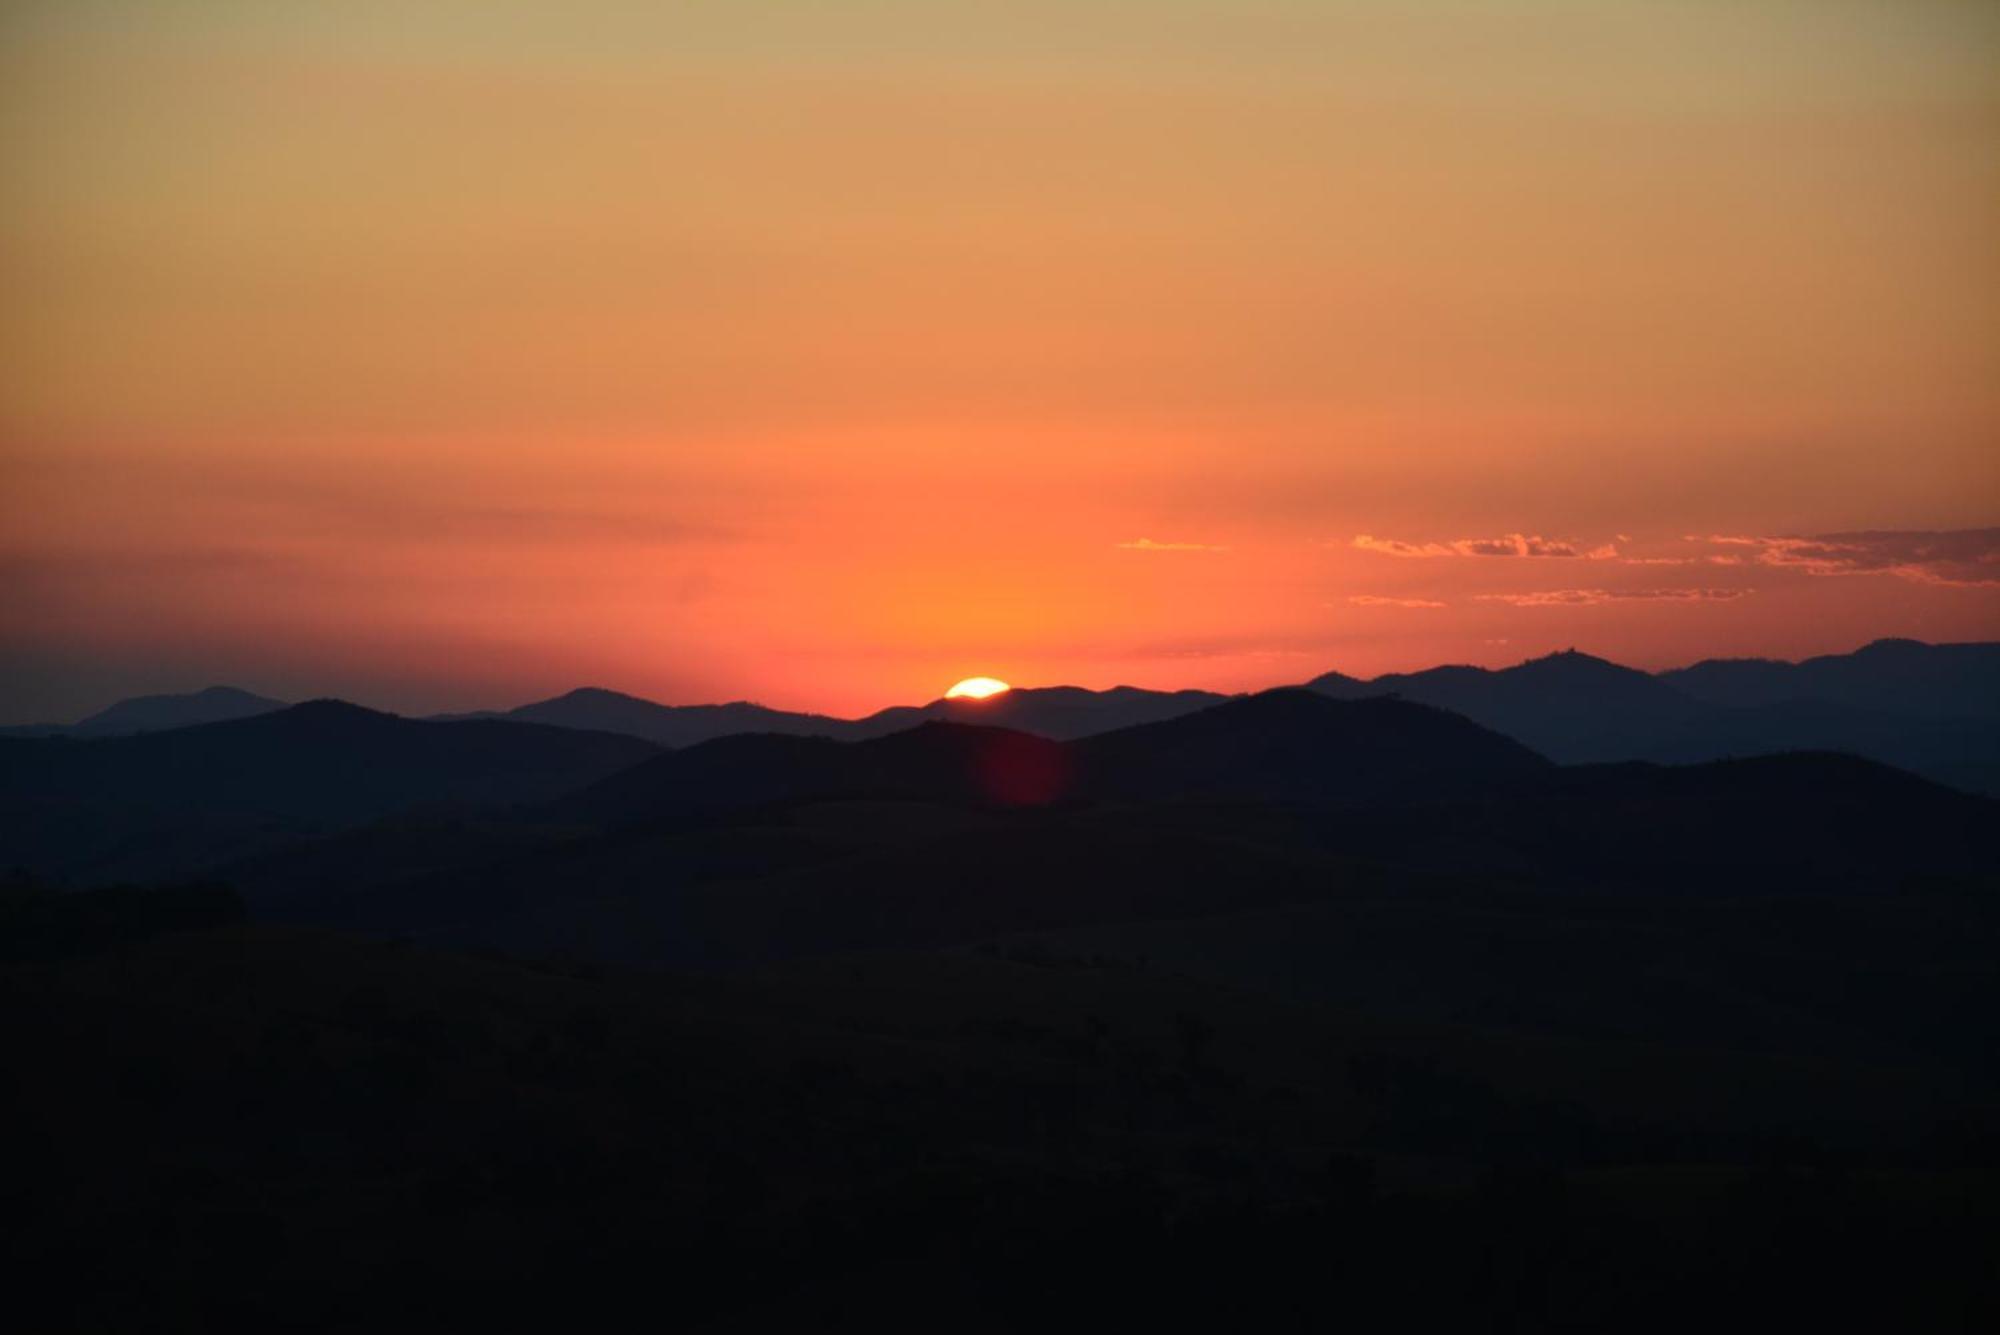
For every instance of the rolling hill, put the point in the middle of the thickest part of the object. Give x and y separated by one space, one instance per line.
1287 745
169 803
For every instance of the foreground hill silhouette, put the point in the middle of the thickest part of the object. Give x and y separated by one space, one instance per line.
1458 1102
1290 1013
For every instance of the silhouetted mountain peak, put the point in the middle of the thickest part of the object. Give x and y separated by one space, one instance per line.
1335 683
595 695
327 710
158 713
1574 664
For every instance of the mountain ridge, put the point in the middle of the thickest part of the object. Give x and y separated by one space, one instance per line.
1932 709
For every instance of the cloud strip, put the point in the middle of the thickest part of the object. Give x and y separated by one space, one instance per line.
1598 597
1377 600
1508 544
1148 545
1958 558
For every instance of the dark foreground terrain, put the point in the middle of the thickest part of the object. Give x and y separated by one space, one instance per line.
1291 1014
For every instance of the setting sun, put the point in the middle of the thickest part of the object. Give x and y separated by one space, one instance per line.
977 688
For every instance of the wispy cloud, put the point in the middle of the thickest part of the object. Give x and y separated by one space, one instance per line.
1507 544
1713 559
1597 597
1377 600
1959 558
1148 545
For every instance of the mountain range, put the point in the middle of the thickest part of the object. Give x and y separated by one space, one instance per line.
1930 709
281 799
1059 712
1900 676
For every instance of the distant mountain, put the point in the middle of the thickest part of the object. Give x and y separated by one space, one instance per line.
174 802
1930 709
598 710
1059 712
158 713
1887 676
1569 706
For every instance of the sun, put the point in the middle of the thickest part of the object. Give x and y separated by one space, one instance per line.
977 688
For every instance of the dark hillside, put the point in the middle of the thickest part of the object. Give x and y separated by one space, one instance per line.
168 804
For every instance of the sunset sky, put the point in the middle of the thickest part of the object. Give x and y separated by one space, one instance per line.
451 353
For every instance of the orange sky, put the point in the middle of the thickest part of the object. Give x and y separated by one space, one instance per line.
452 354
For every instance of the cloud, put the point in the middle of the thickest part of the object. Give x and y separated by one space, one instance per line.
1958 558
1508 544
1598 597
1377 600
1148 545
1714 559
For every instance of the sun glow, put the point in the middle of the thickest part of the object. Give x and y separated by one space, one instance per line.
977 688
